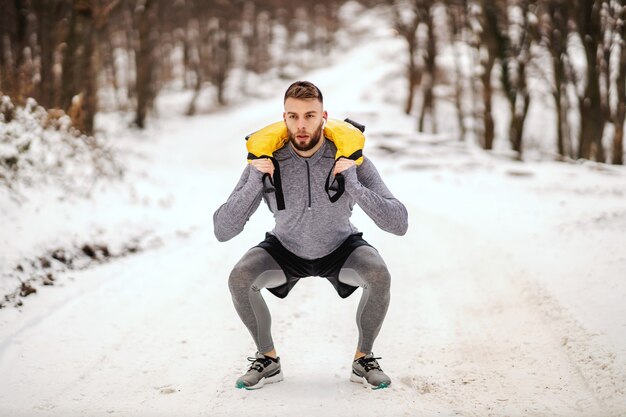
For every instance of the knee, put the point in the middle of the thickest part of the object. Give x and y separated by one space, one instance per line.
241 278
375 274
372 270
379 277
246 271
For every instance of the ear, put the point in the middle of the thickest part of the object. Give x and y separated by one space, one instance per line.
285 117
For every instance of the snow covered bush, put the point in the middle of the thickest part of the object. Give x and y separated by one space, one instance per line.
39 147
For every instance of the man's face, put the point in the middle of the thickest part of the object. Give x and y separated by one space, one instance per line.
304 119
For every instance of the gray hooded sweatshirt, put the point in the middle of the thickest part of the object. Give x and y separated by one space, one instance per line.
311 226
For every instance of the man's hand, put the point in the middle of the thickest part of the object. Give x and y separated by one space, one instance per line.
264 165
342 164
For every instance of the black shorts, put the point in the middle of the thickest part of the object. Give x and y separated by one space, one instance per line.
296 267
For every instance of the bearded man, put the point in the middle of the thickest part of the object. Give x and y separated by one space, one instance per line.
313 236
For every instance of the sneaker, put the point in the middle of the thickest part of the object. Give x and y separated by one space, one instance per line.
366 370
264 369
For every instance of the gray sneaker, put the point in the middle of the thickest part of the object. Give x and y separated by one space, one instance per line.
264 369
366 370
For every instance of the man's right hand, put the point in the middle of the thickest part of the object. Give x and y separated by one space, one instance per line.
264 165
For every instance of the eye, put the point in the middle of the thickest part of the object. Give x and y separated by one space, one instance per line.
309 116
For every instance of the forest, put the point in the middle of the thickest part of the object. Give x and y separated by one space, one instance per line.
79 57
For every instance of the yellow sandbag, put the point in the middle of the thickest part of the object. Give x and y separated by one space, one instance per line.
348 139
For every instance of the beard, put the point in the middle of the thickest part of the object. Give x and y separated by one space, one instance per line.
313 139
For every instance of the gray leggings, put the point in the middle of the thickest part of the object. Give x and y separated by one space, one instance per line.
257 269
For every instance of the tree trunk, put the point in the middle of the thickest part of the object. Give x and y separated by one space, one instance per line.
223 59
560 144
489 133
457 19
620 114
592 120
79 71
592 117
491 44
561 112
408 31
144 61
196 67
89 88
458 94
46 18
13 29
192 55
555 35
517 123
618 145
428 104
413 74
69 81
517 51
251 39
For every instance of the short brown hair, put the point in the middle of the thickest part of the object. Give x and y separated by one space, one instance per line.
304 90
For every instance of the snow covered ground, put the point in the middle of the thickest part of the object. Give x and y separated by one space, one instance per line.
508 294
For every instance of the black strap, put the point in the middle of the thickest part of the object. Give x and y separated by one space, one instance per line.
278 186
356 155
341 181
353 123
339 188
275 185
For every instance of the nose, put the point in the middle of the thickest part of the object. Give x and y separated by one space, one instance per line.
300 124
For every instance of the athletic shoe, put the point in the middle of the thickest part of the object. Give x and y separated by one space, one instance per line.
366 370
264 369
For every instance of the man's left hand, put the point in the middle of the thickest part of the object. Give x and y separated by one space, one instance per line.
342 164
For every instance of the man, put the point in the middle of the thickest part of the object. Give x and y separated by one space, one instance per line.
312 237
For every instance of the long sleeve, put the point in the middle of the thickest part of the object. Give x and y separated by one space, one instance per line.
369 191
231 217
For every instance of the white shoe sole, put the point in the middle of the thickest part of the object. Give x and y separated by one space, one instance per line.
270 380
361 380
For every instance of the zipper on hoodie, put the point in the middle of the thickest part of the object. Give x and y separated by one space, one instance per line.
308 175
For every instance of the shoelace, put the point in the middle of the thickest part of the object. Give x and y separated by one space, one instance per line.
369 363
259 364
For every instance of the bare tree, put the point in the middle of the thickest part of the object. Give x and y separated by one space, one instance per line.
87 82
457 22
430 69
554 29
145 14
48 14
406 18
491 44
620 112
72 52
14 32
193 57
56 51
224 27
515 56
592 117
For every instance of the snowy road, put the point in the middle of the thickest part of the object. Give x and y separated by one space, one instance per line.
484 319
157 335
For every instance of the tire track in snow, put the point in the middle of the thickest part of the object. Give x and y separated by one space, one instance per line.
594 362
489 348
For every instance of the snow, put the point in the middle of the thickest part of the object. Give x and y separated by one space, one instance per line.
508 293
